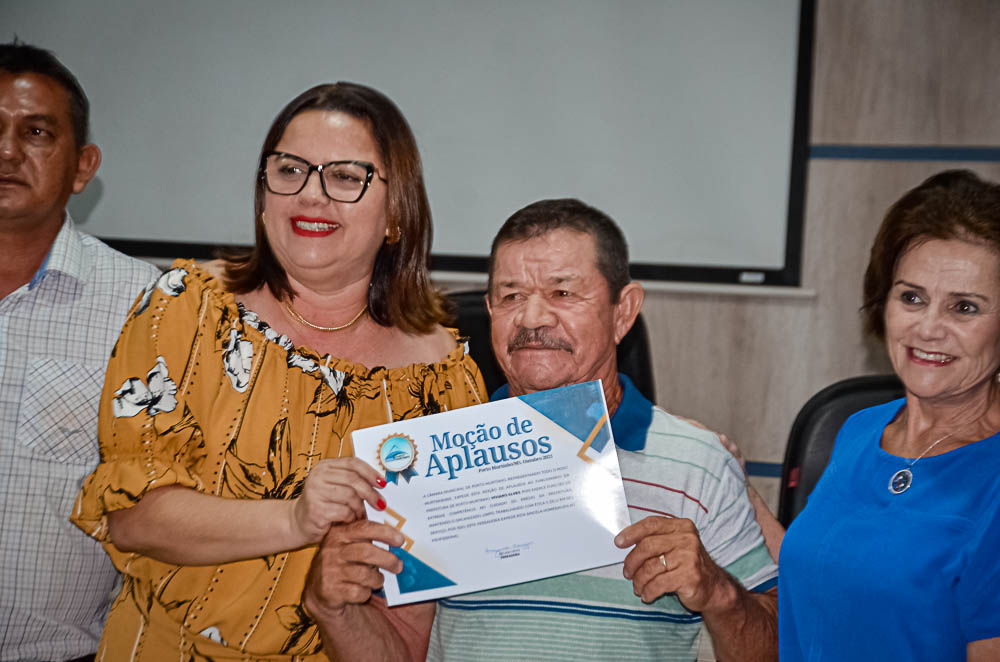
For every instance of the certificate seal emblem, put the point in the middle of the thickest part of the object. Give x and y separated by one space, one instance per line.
396 455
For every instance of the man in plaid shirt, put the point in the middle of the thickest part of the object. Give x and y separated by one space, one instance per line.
63 299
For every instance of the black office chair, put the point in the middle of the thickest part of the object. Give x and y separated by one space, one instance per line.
810 443
474 322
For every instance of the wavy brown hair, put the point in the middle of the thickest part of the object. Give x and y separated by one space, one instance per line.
401 294
954 204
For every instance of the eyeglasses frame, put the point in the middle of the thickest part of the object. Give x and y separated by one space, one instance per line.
371 169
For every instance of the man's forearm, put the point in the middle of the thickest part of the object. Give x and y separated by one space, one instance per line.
746 630
769 525
371 632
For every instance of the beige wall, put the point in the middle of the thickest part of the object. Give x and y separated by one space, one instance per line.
886 72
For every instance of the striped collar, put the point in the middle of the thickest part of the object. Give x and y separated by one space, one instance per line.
629 423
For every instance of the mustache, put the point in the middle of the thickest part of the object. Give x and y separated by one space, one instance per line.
536 339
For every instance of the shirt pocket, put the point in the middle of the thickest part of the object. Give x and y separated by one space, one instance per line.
57 418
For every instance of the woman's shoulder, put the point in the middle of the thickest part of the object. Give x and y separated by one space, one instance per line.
438 347
214 268
860 437
182 287
441 342
873 418
443 355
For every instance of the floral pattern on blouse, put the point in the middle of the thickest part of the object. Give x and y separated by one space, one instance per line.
154 396
275 479
171 283
238 358
242 413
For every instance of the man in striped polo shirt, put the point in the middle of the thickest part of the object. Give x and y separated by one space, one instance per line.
560 301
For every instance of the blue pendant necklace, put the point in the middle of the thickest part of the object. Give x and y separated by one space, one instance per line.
902 479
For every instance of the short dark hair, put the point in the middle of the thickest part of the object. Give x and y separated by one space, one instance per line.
954 204
20 58
544 216
401 293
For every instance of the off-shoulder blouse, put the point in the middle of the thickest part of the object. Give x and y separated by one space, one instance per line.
204 394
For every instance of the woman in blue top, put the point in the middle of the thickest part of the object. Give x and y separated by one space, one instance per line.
897 555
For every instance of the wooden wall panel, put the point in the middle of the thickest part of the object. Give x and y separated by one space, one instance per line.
921 72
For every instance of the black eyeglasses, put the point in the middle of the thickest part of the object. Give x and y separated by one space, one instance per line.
342 181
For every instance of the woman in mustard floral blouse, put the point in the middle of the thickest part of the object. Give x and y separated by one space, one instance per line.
230 397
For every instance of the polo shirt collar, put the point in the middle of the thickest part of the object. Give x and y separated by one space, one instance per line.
630 422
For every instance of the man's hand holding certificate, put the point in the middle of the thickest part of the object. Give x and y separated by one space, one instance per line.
500 493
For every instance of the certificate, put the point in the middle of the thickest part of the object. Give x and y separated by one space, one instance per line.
499 493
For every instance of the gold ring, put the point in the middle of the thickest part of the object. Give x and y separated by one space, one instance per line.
663 561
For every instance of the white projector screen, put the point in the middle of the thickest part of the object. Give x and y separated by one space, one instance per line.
674 116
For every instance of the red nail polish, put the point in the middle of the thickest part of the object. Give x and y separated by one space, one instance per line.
381 504
380 482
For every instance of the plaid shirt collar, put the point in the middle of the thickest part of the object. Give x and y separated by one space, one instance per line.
66 256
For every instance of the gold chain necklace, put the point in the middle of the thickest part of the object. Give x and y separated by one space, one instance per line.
303 320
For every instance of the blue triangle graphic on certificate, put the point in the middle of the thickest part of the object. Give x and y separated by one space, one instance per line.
558 406
417 575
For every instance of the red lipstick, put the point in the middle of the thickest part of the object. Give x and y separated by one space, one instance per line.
307 226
